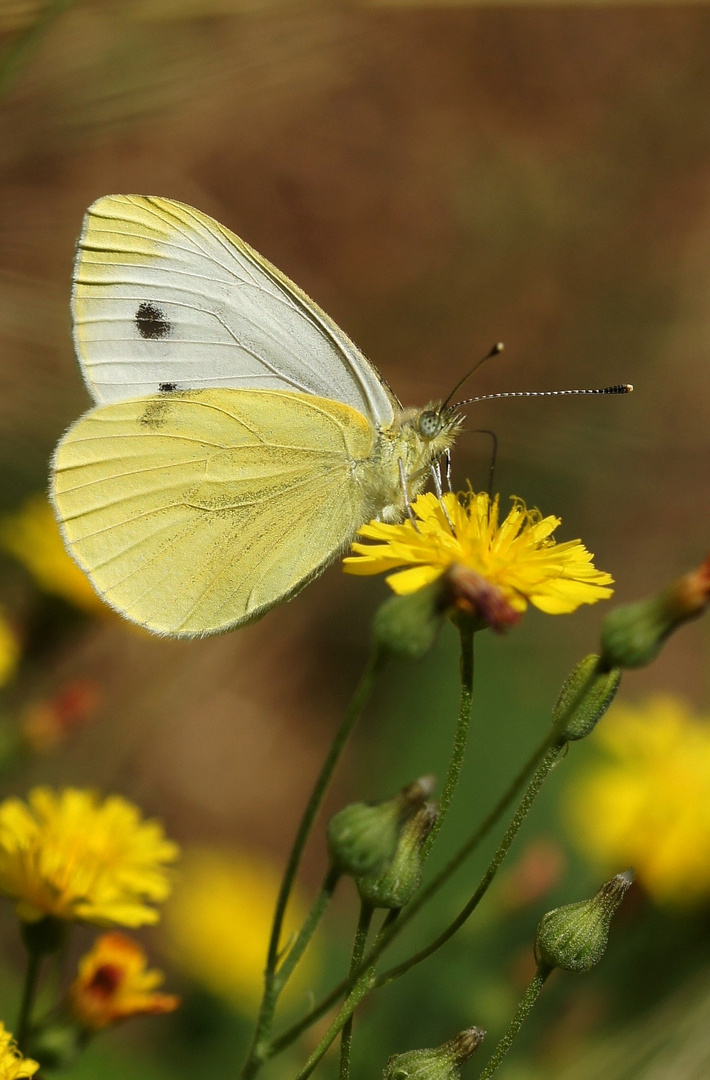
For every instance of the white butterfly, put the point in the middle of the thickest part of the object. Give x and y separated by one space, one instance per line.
239 439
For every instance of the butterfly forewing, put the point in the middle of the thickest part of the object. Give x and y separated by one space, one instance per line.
193 512
167 299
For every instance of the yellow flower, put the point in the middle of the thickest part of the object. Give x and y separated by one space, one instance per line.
13 1066
9 653
647 802
113 984
73 856
219 920
518 555
32 536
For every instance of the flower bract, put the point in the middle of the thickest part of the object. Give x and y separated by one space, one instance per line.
114 983
516 555
13 1066
72 855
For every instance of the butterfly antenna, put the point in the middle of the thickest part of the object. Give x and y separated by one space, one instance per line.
494 455
494 351
620 388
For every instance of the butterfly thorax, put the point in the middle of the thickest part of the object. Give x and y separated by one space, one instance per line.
418 438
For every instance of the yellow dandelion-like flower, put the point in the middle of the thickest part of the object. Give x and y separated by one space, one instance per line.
646 802
32 537
9 650
13 1066
517 555
114 983
71 855
219 920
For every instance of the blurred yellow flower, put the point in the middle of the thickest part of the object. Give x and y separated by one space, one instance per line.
114 984
32 536
9 650
219 920
73 856
647 802
518 555
13 1066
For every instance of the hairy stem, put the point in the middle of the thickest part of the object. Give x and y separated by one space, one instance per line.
367 980
260 1041
529 998
388 932
466 634
363 928
29 992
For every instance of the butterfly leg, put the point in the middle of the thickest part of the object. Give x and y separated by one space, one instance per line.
405 493
436 477
447 459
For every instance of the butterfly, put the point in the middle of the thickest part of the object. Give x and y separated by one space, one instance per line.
239 438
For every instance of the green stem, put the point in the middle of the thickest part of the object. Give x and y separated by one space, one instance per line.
29 992
367 981
259 1045
529 998
27 40
363 928
291 1034
283 974
541 774
386 935
466 633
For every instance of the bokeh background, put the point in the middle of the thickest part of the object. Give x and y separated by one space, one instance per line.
439 177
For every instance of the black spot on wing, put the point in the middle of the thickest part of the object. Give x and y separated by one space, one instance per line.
151 322
167 387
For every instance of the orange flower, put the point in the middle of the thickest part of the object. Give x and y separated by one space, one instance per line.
113 983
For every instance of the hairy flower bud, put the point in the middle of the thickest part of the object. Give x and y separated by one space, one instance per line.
574 937
362 837
397 884
633 635
405 626
442 1063
586 694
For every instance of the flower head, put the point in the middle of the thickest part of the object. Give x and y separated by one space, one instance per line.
114 983
32 536
13 1066
72 855
647 801
219 920
9 650
518 555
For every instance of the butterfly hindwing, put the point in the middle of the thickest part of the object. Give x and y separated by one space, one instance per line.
193 512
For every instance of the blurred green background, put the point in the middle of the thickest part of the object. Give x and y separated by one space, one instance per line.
438 176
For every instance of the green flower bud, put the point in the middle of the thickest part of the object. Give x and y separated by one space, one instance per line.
362 837
442 1063
574 937
633 635
397 884
586 694
405 626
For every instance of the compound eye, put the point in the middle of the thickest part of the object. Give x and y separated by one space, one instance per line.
429 424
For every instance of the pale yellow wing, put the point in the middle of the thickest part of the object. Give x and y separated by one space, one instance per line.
194 512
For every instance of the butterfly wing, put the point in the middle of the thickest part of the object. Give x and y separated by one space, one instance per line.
197 511
166 298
